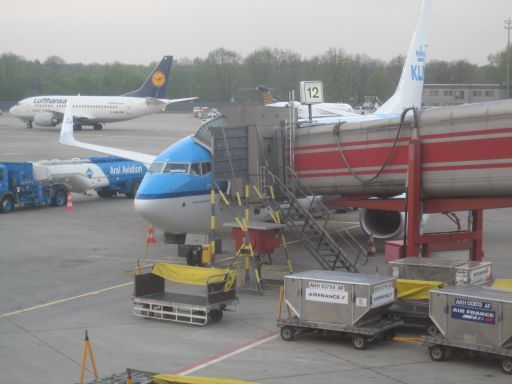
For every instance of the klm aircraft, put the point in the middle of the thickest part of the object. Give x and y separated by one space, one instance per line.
48 111
175 192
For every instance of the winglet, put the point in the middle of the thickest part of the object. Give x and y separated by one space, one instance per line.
410 88
66 131
67 137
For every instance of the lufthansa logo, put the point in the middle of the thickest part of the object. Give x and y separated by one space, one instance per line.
158 79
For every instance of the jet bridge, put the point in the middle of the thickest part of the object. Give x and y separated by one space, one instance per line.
253 149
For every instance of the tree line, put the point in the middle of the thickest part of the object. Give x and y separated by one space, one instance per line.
225 75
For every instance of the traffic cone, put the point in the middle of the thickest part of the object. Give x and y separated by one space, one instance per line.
69 203
371 246
129 378
150 238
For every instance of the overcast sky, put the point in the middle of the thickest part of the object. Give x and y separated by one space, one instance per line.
142 31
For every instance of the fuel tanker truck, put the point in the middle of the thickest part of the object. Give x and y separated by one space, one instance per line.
47 182
466 152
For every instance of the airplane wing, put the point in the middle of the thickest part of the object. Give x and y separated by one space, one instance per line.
66 137
171 101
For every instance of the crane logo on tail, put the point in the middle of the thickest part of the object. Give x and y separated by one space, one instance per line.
158 79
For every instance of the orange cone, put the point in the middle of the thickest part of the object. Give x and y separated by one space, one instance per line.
69 203
150 238
371 246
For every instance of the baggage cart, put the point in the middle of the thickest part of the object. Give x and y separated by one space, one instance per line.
342 302
476 320
412 299
194 295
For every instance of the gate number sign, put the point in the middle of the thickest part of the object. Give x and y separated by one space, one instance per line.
311 92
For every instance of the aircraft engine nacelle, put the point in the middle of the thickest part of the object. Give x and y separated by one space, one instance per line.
46 119
382 224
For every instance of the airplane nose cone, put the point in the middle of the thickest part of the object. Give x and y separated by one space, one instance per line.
158 212
12 110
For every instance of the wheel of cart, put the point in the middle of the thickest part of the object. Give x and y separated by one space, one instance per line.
288 333
506 365
437 352
359 342
432 329
215 315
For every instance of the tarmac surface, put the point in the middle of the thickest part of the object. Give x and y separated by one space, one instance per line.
64 273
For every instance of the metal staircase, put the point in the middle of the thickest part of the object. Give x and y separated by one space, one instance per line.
307 217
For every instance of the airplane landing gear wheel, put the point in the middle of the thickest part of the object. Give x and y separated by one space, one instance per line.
98 126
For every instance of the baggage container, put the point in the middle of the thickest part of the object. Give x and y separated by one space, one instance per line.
414 309
352 303
473 319
451 272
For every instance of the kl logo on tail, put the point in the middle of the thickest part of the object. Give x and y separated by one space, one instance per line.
418 70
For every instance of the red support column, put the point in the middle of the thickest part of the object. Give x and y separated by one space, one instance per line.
477 251
413 198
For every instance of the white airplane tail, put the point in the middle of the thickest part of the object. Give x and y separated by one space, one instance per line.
410 88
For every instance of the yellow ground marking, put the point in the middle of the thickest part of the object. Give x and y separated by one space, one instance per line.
407 339
65 300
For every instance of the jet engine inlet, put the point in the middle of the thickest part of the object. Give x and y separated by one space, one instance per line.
382 224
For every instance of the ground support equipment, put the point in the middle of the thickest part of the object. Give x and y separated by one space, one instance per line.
441 349
215 290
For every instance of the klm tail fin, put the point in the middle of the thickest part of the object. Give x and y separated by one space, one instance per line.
410 88
265 96
156 84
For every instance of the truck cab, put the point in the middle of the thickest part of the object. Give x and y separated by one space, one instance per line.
19 187
6 197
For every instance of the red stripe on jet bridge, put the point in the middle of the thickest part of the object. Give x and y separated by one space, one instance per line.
423 136
404 171
439 152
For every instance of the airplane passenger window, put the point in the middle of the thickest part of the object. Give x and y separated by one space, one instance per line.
195 169
156 168
176 168
206 168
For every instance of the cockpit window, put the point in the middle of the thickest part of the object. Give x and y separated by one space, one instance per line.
176 168
206 168
195 169
156 168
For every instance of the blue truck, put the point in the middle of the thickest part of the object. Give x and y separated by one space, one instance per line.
46 183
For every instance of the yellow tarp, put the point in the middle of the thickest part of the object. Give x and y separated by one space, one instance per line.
185 274
505 284
416 289
172 379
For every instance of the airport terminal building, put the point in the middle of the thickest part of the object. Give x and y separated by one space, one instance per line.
453 94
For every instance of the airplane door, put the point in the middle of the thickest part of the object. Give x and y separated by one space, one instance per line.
127 110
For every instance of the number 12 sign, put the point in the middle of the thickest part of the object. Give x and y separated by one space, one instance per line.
311 92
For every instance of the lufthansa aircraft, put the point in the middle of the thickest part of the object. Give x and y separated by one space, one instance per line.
48 111
175 192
